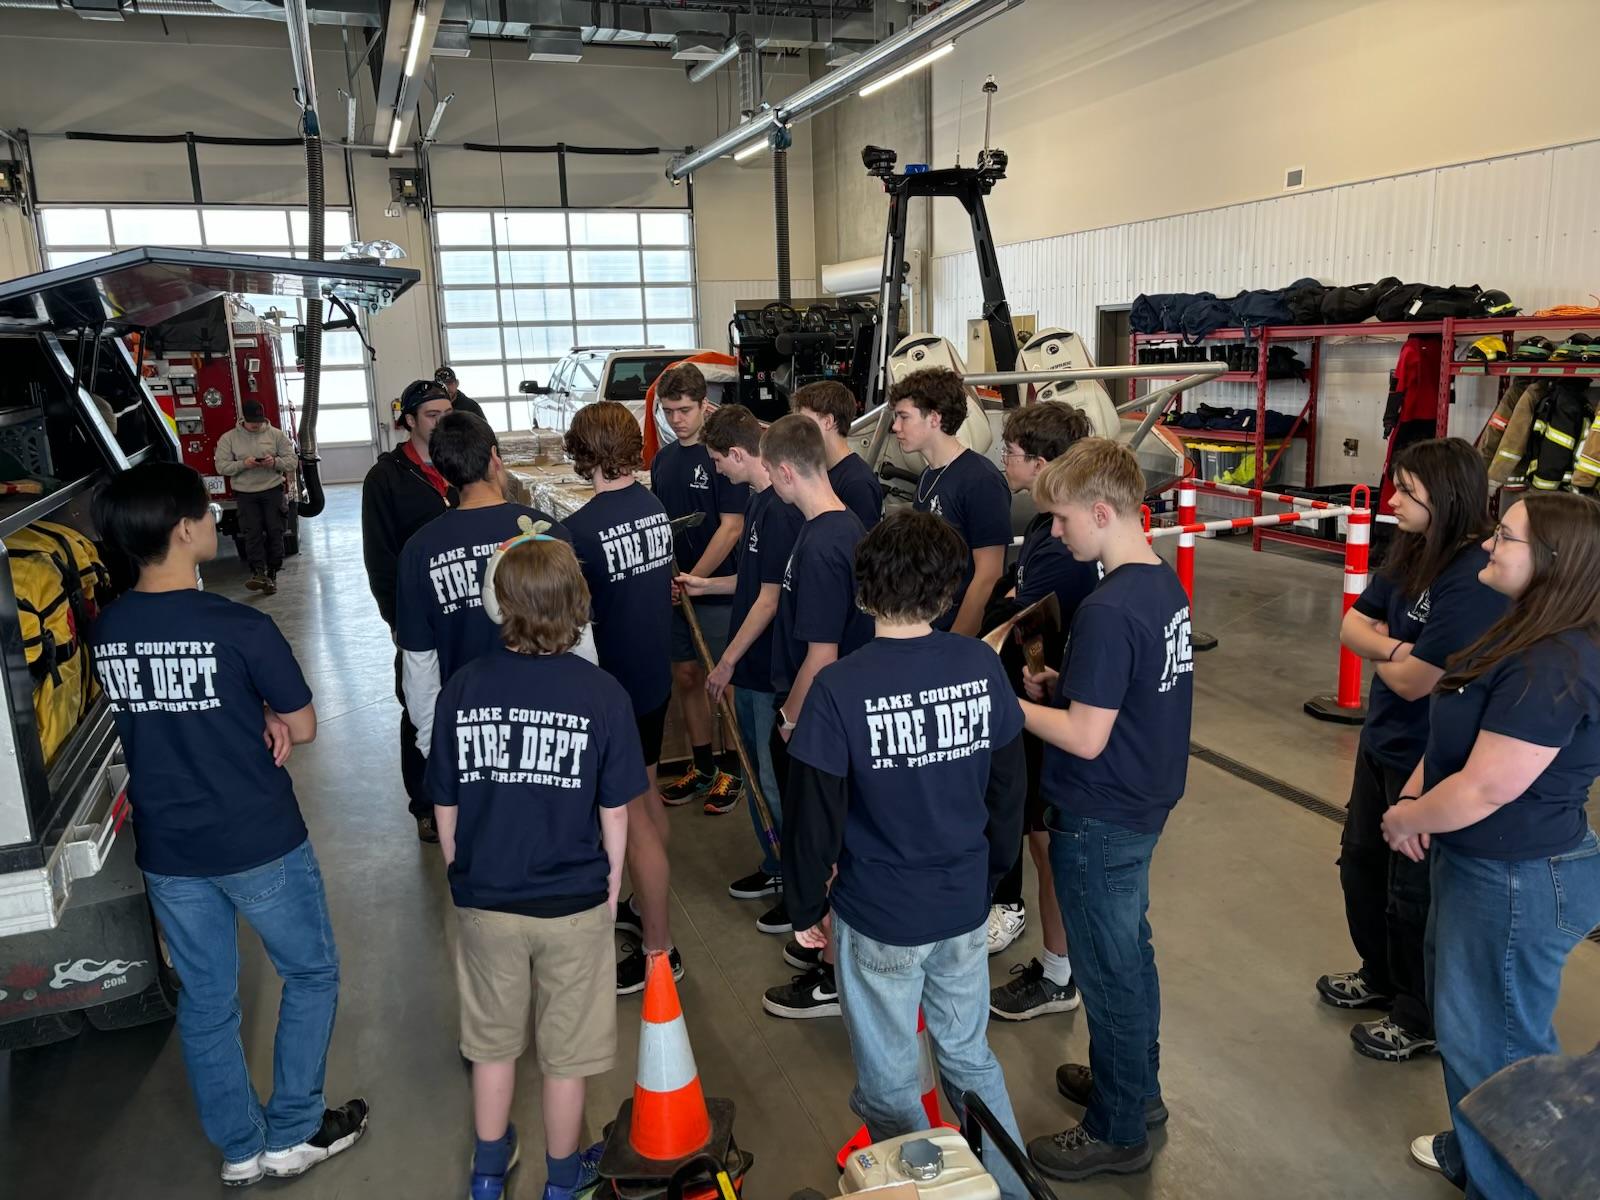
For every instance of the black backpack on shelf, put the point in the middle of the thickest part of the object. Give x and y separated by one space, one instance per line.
1204 317
1356 302
1304 301
1267 306
1162 312
1425 302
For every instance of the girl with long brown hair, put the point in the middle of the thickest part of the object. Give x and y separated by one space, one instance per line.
1497 808
1424 604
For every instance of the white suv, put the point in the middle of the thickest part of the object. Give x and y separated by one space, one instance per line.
592 373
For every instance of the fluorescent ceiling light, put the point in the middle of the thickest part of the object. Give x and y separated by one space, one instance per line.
750 151
916 64
416 42
394 131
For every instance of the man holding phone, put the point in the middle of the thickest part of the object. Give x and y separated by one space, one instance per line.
258 459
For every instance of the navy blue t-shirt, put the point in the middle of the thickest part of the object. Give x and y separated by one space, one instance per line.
186 674
1045 565
817 599
624 544
911 724
1449 616
971 493
770 528
1129 650
438 605
855 484
686 481
1549 695
527 748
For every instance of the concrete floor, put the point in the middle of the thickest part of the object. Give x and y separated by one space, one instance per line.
1267 1097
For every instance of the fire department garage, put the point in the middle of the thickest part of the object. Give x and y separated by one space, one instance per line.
772 598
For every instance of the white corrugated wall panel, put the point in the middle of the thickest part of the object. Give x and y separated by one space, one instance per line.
1528 223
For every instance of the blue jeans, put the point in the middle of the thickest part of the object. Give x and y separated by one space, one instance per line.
758 713
1498 937
284 903
1102 877
880 989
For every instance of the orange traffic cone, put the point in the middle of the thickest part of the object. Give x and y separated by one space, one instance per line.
928 1078
670 1119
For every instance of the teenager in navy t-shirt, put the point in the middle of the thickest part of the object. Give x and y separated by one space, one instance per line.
1497 804
208 701
1424 606
907 774
959 485
624 546
687 483
733 436
1116 759
833 407
1034 436
440 623
535 757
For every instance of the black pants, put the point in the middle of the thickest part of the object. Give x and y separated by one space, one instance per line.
1009 889
1385 896
261 522
413 764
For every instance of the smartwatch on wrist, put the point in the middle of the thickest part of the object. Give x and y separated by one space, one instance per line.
783 721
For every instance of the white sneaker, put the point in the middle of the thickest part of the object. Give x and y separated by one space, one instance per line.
1006 923
1422 1151
242 1174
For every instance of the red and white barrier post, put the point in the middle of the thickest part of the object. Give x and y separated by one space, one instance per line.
1184 561
1346 706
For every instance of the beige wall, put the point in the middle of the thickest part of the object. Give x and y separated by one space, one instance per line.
1115 112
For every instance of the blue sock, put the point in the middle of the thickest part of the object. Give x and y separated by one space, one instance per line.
494 1158
563 1172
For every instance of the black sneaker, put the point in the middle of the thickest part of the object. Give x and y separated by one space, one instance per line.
628 919
775 919
1351 990
802 958
813 994
723 796
686 787
1076 1083
756 885
1385 1040
630 969
1031 995
341 1128
428 831
1075 1154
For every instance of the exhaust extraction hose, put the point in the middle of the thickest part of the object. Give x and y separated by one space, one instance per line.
310 461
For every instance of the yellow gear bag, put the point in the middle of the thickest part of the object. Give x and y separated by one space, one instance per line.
56 573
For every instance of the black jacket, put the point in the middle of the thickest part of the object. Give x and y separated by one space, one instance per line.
465 403
396 501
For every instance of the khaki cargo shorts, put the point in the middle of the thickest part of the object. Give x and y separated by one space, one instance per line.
504 961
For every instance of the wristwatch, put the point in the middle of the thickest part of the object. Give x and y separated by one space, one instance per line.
783 721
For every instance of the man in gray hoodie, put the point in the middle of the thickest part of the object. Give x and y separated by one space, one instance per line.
257 458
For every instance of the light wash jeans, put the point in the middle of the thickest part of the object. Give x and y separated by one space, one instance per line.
283 902
1499 934
880 988
758 713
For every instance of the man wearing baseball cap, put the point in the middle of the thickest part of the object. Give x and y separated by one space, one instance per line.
445 377
257 458
401 494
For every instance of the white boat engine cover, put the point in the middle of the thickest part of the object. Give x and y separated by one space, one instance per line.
957 1175
922 351
1059 350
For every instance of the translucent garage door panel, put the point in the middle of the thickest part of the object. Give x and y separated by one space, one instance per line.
466 345
344 426
466 266
604 228
605 266
533 266
471 306
536 304
259 227
336 230
156 227
664 229
76 227
608 304
482 382
537 341
668 266
668 302
530 229
464 229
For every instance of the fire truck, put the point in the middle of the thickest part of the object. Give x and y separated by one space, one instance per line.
78 941
201 368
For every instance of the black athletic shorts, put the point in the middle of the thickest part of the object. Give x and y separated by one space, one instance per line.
652 728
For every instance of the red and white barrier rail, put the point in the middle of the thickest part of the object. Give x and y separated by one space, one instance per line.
1185 560
1302 516
1233 489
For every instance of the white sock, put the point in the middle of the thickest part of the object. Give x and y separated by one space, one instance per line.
1057 969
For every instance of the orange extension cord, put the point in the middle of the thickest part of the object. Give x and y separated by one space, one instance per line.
1572 310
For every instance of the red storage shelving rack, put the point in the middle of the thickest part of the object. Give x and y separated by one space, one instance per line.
1305 425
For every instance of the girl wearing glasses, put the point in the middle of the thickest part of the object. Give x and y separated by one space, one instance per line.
1513 748
1423 606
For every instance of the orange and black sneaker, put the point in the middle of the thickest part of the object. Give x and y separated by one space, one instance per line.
686 787
723 795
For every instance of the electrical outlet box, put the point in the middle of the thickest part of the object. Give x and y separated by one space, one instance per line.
1352 447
